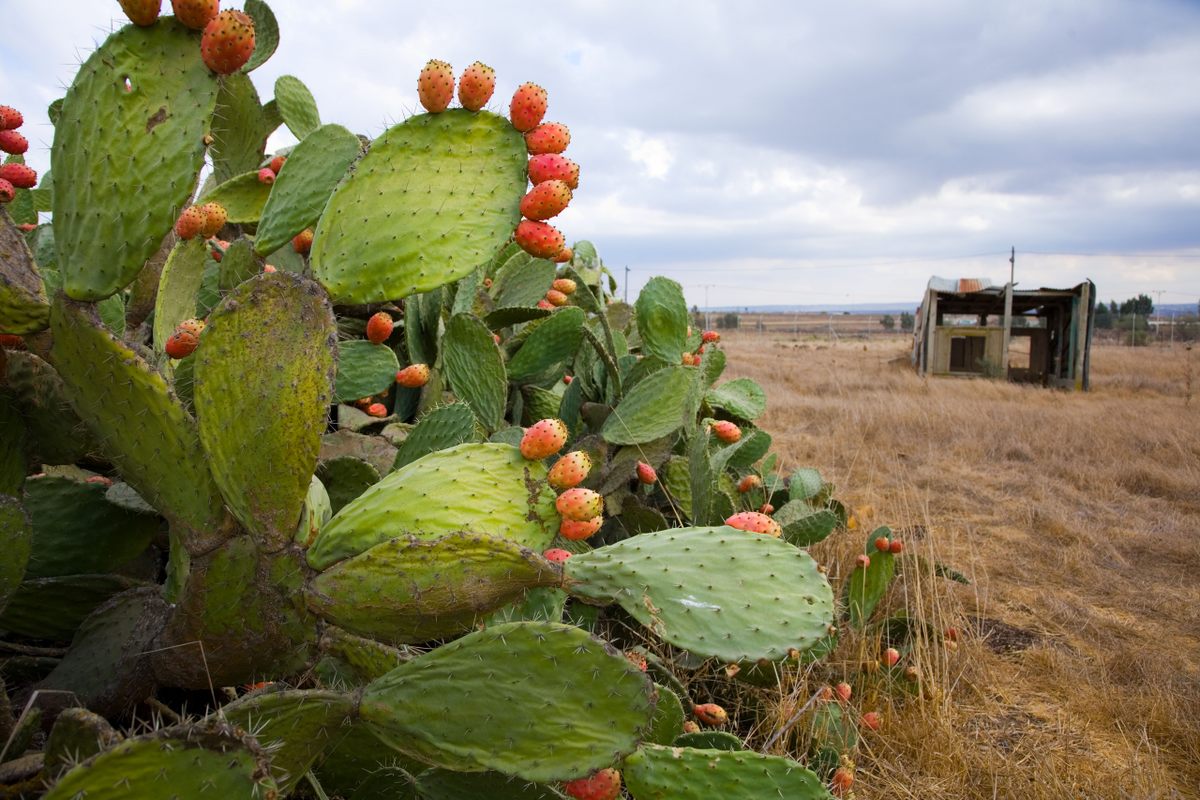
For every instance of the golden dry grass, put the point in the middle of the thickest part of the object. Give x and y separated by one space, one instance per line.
1075 515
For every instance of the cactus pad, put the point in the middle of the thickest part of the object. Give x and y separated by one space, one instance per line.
296 105
866 587
662 319
23 305
682 773
363 369
440 428
660 404
444 784
743 398
243 197
16 536
550 347
475 368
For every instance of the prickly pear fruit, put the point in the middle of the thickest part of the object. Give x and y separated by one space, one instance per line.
570 470
896 547
13 142
580 504
637 659
528 106
142 12
556 298
710 714
882 544
268 268
602 785
553 167
862 561
556 555
545 305
690 360
539 239
195 14
24 177
228 42
10 118
544 438
190 222
691 727
7 191
646 473
709 337
872 720
843 691
435 86
266 175
476 85
576 530
748 483
766 508
726 431
181 344
567 379
302 241
277 164
414 376
891 656
550 137
192 326
546 200
214 219
377 410
12 341
379 327
754 522
842 780
564 285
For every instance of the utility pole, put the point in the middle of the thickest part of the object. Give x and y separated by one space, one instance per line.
1158 308
627 285
1008 304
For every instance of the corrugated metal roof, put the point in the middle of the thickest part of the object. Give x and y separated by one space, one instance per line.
961 285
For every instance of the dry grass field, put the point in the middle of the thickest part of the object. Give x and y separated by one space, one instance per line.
1076 517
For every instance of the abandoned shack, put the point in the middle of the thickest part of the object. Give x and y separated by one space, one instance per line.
972 327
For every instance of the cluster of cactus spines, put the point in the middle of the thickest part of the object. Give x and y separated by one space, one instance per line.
301 494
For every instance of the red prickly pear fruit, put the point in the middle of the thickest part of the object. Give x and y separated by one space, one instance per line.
546 200
227 42
602 785
26 227
710 714
689 360
842 780
646 473
435 86
268 268
710 337
10 118
181 344
377 410
99 480
487 283
726 431
754 522
13 142
575 530
882 544
553 167
218 247
195 14
545 305
214 219
862 561
414 376
567 379
570 470
872 720
7 191
496 338
528 106
193 326
190 222
843 691
277 164
556 298
550 137
691 727
564 285
564 255
952 633
637 659
749 483
891 656
544 438
23 177
580 504
556 555
896 547
766 508
266 175
539 239
476 85
302 241
379 327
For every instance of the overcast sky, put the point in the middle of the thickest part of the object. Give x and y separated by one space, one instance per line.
786 152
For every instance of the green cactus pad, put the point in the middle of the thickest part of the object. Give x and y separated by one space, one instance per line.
539 603
16 537
312 170
475 368
297 106
317 511
522 280
77 531
444 784
754 445
54 432
77 734
152 98
484 488
422 320
803 525
440 428
677 481
538 404
434 198
178 287
264 375
12 446
108 667
266 33
239 264
662 319
23 304
537 700
295 727
866 587
680 773
243 197
514 315
710 740
53 608
212 759
668 717
365 659
805 484
345 478
661 404
716 592
413 590
550 347
742 398
141 425
240 127
363 369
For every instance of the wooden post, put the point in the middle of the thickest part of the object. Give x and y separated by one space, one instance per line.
1008 303
1081 335
930 339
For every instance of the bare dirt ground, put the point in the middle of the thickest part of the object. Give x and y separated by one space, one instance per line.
1076 517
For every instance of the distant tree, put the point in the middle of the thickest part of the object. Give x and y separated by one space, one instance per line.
888 322
1112 308
1104 320
1141 306
728 321
906 321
